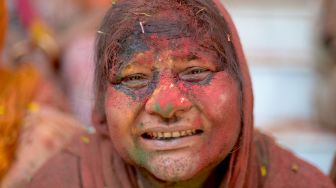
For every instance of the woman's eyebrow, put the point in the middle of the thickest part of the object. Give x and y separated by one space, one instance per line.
135 65
191 57
185 56
119 66
139 59
126 66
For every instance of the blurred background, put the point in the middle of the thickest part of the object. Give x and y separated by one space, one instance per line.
290 46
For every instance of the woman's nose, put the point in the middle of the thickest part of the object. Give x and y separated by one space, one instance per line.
167 101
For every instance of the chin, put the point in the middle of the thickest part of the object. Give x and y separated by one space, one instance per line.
173 168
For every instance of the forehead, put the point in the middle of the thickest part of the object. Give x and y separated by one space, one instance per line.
155 47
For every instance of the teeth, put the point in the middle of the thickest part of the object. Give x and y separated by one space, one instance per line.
189 132
176 134
168 135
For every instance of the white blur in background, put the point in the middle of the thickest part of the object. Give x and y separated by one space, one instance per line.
281 43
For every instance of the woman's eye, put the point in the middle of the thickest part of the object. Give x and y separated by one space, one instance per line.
197 71
135 81
133 77
195 74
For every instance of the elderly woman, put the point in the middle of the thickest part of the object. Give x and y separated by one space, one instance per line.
174 108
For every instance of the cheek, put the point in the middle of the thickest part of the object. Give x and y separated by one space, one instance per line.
219 105
218 100
121 112
117 107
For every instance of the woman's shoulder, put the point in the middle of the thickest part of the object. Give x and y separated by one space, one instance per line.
62 170
279 167
73 166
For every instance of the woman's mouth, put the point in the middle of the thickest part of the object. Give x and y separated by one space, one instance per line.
169 135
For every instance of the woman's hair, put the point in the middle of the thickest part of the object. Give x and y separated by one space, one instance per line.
128 24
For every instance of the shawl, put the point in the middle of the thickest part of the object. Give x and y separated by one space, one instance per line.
259 162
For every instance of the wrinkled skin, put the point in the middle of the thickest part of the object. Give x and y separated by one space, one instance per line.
166 89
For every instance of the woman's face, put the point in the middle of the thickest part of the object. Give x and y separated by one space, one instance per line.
172 109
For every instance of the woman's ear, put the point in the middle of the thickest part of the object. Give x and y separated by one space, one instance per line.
99 121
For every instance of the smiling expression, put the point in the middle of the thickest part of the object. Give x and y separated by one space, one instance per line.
173 110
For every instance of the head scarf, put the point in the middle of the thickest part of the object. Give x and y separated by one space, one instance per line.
240 164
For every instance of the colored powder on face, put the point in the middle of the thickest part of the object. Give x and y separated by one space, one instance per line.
169 108
157 107
142 125
139 155
163 110
134 44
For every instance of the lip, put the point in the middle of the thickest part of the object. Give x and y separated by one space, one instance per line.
172 128
169 144
166 145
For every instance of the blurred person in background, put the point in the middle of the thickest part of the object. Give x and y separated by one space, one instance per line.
71 40
327 97
49 42
35 121
326 100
